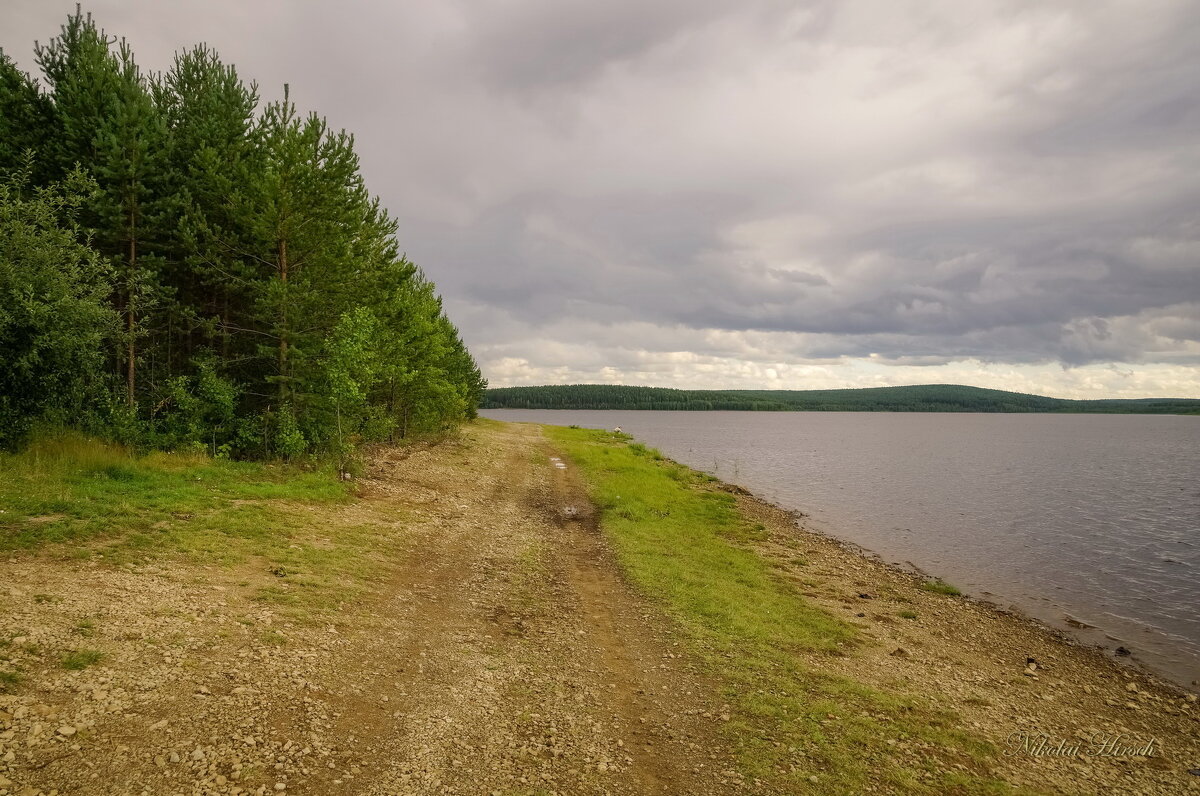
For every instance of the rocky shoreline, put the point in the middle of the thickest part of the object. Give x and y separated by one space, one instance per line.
1022 684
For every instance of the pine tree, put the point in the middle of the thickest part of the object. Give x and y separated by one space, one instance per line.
128 147
82 76
209 114
306 205
106 122
208 231
24 121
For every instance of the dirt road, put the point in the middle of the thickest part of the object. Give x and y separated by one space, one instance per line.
500 654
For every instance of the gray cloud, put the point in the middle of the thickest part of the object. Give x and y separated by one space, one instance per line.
709 190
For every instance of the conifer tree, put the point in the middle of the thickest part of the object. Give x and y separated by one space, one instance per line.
209 114
128 147
306 203
264 305
24 121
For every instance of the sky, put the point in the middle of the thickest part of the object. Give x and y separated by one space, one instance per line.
757 194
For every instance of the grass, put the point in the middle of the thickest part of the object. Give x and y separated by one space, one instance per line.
9 681
72 490
72 496
81 659
793 717
940 587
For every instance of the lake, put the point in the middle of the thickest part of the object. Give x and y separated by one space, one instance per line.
1073 519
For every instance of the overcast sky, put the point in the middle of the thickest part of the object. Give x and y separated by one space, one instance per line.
764 194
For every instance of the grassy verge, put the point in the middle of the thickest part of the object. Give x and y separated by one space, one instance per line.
73 497
795 722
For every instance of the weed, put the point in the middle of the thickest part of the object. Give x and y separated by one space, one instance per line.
907 614
274 638
940 587
81 659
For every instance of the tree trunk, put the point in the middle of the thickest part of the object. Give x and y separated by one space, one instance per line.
283 326
130 321
225 328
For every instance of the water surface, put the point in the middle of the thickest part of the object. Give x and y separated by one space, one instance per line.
1092 518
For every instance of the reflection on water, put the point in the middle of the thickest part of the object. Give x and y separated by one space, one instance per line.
1092 517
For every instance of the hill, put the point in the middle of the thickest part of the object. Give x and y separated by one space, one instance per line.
918 398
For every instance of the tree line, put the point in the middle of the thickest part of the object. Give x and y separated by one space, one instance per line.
918 398
183 266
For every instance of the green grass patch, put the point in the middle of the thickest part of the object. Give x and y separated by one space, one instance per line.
81 659
72 490
940 587
77 497
907 614
684 543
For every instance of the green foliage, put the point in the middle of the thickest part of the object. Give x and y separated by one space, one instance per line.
224 282
24 119
54 318
940 587
921 398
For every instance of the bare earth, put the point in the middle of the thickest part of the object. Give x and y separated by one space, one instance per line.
502 653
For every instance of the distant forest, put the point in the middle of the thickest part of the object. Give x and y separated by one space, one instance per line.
923 398
183 267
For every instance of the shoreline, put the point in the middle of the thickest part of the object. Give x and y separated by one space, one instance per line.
1082 604
1037 699
1046 719
1065 633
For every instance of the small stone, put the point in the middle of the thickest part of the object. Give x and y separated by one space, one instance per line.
280 786
899 652
173 757
1131 688
66 730
198 754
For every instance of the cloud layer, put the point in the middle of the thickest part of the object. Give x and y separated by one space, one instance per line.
764 193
